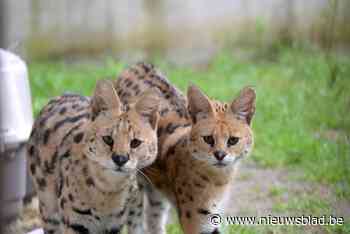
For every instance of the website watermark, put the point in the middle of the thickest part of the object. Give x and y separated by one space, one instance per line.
303 220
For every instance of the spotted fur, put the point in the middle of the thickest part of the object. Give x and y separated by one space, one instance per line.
84 155
201 142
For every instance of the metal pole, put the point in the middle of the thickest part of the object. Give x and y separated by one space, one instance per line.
2 45
2 24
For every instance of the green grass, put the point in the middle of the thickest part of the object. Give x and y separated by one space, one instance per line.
296 109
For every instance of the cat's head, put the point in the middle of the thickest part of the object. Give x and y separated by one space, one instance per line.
221 133
121 139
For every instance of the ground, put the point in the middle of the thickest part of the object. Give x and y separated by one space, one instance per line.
301 161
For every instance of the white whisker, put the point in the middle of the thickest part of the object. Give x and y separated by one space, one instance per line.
114 91
146 177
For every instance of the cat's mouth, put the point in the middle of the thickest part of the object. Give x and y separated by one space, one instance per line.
120 170
124 170
220 164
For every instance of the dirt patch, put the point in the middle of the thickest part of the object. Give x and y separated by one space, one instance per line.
261 192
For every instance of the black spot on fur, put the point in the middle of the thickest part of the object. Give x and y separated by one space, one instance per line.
59 124
198 185
82 212
32 168
216 231
47 116
205 178
171 150
136 88
46 136
125 95
63 202
128 83
51 221
49 166
60 185
121 213
135 71
90 182
65 155
80 229
63 110
155 203
146 67
78 137
70 197
149 83
188 214
203 211
85 170
114 230
41 183
31 150
70 132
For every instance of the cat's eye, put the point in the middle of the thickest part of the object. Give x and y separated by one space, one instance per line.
232 141
209 140
135 143
108 140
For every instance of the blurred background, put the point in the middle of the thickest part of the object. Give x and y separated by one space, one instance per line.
190 30
295 53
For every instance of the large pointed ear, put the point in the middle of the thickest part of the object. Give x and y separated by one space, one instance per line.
243 107
105 98
199 105
148 105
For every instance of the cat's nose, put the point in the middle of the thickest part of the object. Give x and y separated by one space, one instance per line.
220 155
120 160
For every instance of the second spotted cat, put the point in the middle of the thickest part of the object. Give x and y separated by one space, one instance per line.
200 141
